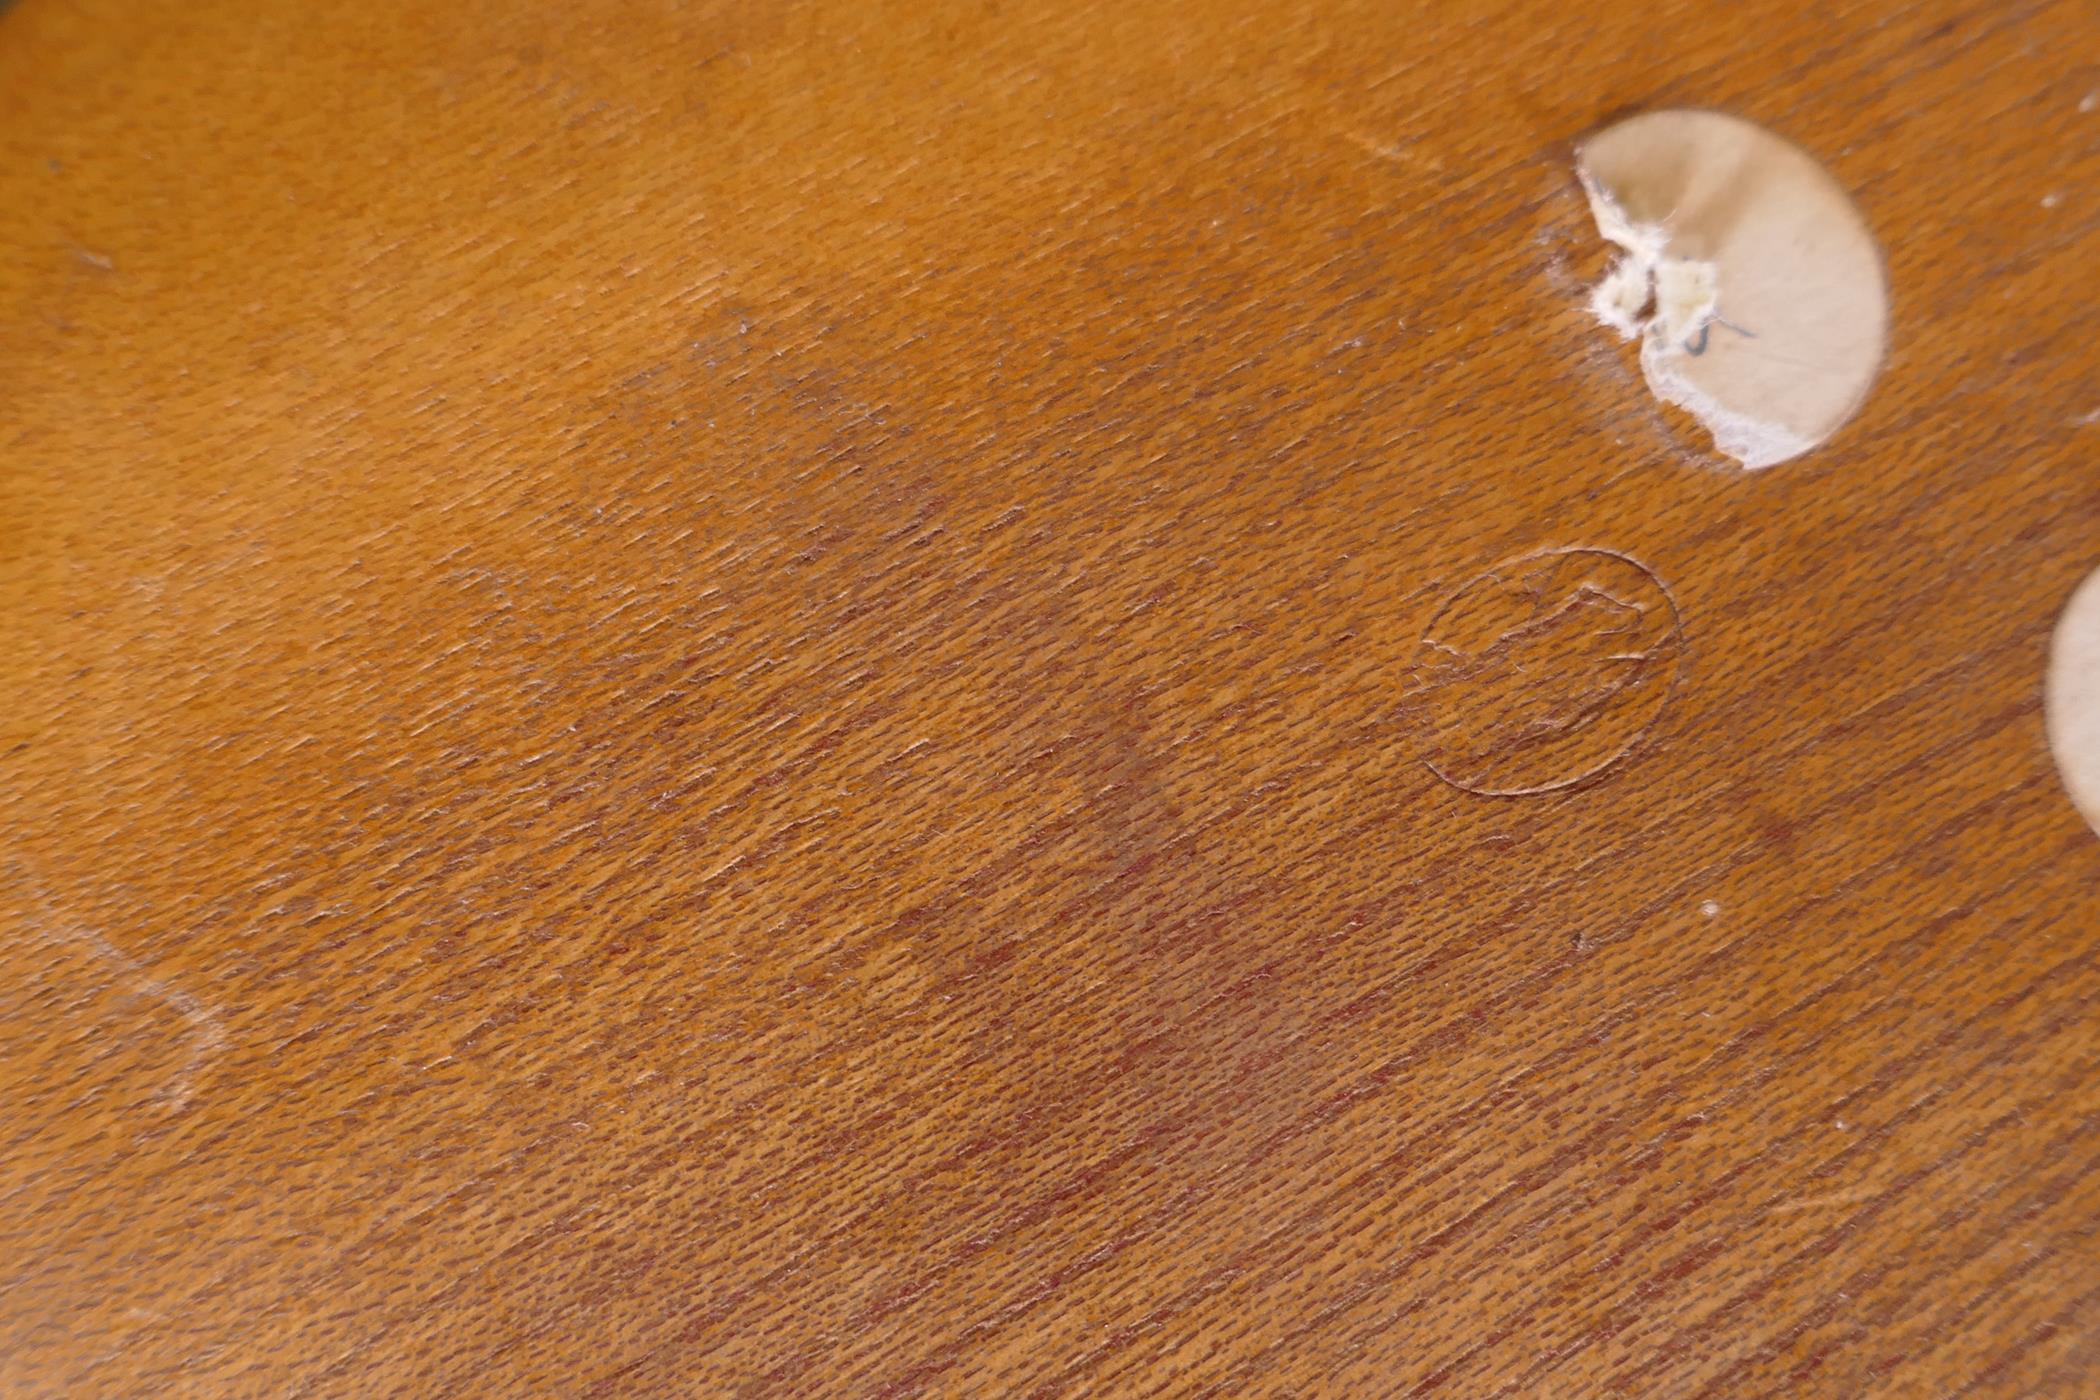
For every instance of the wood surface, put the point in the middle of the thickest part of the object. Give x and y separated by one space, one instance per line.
798 698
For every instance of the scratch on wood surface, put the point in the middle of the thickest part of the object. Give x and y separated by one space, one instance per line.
207 1033
1391 151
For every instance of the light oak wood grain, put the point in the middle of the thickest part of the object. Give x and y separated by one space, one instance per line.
730 699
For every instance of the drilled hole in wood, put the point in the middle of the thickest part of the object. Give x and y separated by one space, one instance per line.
2071 698
1746 271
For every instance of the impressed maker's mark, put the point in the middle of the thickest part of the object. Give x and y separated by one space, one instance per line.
1544 671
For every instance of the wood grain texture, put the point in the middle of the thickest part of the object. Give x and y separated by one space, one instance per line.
727 699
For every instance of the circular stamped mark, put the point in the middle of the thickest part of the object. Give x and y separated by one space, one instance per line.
1544 671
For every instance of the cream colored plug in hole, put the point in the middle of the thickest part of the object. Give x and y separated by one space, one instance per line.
1752 281
2071 698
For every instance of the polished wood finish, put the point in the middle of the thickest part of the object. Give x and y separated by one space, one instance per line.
731 699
